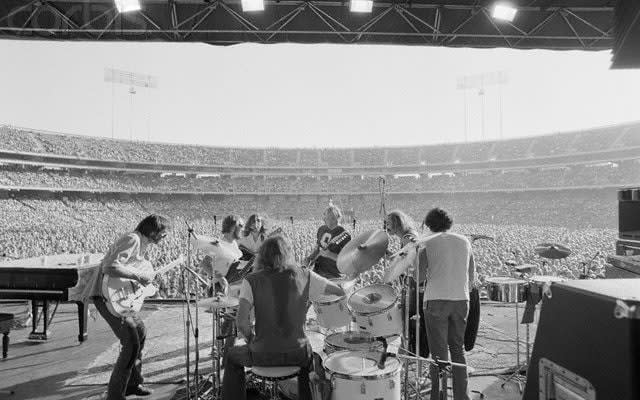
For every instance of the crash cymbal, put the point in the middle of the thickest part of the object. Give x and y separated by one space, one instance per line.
362 252
216 302
400 261
552 250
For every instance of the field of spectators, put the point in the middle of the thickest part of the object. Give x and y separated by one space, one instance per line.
584 220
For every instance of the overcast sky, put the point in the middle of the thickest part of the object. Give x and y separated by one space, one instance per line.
308 95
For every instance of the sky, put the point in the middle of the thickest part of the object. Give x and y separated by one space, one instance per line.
291 95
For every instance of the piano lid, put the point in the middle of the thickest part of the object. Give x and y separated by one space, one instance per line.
55 272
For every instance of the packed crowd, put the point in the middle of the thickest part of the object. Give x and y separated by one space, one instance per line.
582 220
622 173
23 140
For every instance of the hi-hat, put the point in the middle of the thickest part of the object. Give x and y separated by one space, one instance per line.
552 250
362 252
214 303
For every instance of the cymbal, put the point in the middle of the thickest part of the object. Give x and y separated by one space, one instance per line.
362 252
400 261
552 250
219 302
206 243
372 298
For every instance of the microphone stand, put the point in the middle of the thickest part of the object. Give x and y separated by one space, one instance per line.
196 332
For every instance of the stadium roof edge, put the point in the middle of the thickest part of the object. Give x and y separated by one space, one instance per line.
587 25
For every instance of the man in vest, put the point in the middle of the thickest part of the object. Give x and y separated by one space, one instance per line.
278 292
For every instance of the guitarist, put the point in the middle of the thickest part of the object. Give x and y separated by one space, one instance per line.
119 261
327 251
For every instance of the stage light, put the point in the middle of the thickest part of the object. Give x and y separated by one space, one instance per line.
504 12
127 5
361 6
252 5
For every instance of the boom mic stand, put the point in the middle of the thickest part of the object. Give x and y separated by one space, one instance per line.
187 271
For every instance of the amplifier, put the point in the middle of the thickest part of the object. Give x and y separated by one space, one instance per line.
588 342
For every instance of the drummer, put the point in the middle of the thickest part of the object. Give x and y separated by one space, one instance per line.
278 292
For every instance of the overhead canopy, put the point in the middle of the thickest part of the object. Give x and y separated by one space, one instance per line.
542 24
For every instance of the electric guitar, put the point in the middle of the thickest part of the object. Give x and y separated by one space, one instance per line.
124 297
338 239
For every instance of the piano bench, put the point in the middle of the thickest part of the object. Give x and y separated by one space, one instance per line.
5 326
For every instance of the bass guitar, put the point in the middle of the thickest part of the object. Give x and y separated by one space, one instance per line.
124 297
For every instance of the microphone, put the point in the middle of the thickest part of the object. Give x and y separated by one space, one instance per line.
189 228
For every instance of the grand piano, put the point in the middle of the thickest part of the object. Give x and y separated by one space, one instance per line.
47 281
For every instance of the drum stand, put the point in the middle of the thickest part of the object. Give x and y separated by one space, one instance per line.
406 337
516 376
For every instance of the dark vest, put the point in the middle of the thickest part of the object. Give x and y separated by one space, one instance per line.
280 303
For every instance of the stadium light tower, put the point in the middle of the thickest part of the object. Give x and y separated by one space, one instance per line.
132 80
479 82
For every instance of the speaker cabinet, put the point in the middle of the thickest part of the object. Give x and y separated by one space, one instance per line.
588 342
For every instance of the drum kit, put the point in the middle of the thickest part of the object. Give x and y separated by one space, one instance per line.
358 324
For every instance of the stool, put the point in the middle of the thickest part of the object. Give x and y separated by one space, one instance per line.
271 375
6 320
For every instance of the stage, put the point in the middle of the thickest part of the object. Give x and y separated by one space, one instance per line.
63 368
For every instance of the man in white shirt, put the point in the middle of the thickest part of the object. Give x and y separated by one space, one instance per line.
450 274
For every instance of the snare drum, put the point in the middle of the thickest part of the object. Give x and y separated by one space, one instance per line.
355 375
506 289
354 341
376 310
332 311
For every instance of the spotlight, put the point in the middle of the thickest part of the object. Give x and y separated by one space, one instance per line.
127 5
252 5
361 6
504 12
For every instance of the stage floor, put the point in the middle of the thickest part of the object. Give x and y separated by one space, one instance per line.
63 368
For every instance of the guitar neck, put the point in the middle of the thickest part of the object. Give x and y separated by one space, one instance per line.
169 266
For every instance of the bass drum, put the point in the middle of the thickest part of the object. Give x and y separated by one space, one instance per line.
355 375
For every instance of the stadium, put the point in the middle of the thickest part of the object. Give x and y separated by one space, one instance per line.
302 266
